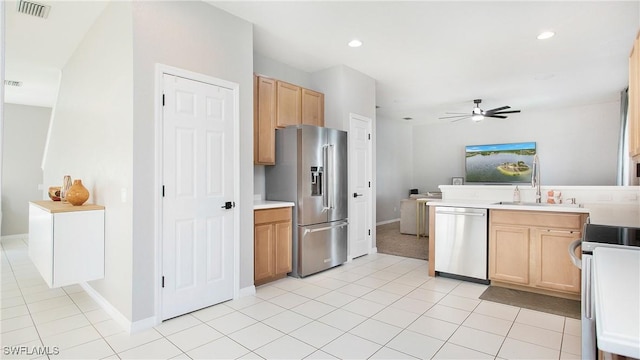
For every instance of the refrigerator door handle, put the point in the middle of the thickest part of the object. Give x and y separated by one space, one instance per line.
307 231
331 164
325 184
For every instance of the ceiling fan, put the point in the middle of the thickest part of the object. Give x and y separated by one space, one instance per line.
478 114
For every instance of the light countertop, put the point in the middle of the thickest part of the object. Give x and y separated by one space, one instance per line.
617 300
496 206
59 206
267 204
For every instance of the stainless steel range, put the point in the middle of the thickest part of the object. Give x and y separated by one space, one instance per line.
597 236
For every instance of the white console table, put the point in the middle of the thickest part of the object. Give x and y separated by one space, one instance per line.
66 242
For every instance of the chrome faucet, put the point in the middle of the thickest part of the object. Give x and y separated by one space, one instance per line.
535 178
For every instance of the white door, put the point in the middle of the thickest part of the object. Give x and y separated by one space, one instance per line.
360 177
197 230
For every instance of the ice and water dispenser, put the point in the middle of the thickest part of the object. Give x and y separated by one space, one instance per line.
316 180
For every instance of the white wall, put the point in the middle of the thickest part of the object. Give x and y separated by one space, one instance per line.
198 37
349 91
346 91
268 67
577 145
91 139
395 167
24 135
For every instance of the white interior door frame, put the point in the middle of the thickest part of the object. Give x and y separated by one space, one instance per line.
160 70
353 118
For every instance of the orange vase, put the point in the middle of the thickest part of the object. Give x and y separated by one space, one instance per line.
77 193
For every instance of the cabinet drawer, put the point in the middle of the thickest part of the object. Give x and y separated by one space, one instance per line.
537 218
272 215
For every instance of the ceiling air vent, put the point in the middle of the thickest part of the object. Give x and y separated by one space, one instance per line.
34 9
13 83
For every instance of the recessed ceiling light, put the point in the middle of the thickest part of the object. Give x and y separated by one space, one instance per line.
546 35
355 43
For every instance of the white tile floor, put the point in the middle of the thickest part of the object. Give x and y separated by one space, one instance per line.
378 306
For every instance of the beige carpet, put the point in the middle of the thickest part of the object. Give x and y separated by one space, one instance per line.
390 241
532 301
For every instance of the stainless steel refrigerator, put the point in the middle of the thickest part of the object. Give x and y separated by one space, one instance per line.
311 171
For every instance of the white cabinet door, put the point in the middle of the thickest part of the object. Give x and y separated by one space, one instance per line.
78 248
67 247
41 242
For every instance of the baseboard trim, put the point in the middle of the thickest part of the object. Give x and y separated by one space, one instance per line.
116 315
14 237
247 291
387 222
373 250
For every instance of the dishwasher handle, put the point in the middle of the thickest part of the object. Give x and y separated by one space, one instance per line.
572 253
459 213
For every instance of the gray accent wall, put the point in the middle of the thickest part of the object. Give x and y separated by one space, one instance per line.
24 136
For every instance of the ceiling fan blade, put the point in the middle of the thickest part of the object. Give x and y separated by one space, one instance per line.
504 112
498 109
496 116
464 118
455 116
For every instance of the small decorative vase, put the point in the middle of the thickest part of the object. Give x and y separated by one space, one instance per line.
54 193
77 193
66 184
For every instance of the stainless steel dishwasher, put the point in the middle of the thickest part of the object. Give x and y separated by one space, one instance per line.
461 243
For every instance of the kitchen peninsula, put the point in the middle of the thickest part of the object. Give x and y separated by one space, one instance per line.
528 241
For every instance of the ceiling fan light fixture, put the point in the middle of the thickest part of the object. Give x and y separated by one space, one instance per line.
545 35
477 117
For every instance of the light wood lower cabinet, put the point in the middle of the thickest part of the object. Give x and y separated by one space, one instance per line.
272 244
509 253
550 259
529 250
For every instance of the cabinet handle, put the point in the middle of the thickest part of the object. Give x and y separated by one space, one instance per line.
561 231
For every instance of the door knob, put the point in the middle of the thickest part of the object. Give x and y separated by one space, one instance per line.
228 205
355 195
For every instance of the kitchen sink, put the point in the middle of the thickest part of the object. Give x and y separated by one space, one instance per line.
523 203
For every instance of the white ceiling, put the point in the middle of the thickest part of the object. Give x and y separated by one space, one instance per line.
37 49
427 57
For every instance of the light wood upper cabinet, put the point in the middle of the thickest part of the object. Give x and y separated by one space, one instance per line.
634 100
312 107
264 121
288 108
529 249
272 244
278 104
